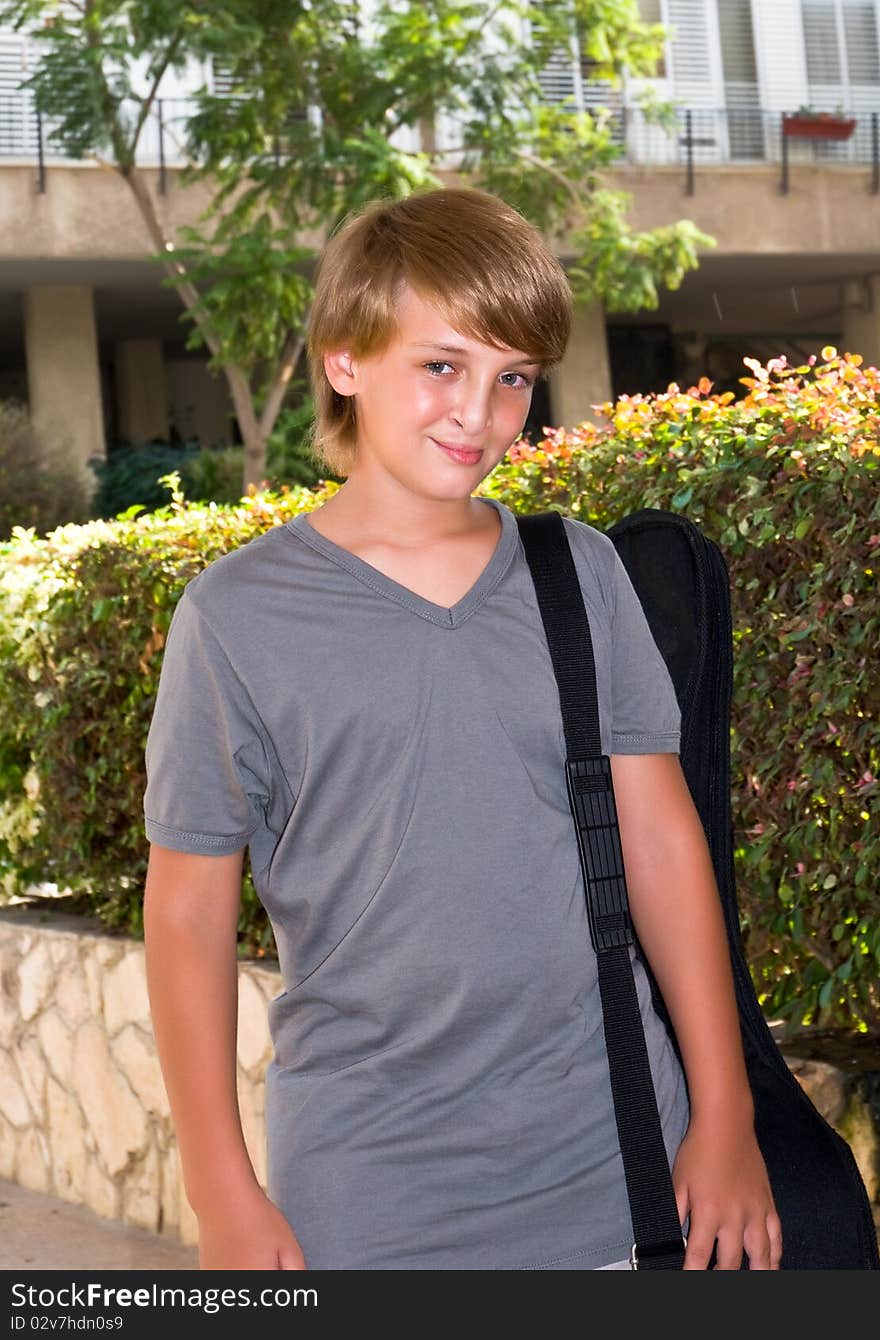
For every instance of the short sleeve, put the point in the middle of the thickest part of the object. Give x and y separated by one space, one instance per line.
646 718
206 764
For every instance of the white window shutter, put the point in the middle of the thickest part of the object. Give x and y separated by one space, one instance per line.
860 58
697 76
843 68
18 130
780 55
861 48
841 44
744 120
694 58
821 43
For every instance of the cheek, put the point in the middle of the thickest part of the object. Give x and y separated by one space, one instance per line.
515 410
429 399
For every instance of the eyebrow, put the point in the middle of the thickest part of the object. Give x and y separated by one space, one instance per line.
457 349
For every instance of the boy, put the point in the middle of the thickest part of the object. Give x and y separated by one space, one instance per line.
364 697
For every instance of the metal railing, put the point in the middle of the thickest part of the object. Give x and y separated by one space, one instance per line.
695 139
701 138
26 135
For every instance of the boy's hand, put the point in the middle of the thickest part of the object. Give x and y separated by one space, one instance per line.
720 1178
247 1232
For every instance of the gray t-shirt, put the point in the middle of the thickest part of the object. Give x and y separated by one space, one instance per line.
439 1095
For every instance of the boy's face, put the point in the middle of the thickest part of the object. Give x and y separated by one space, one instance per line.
420 392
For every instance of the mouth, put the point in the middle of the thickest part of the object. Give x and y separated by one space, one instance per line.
463 455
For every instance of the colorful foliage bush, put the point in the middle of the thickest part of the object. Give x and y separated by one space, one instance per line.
785 481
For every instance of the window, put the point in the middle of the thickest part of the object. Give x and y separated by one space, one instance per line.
17 123
840 39
745 123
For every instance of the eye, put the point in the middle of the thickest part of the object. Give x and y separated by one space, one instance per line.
526 382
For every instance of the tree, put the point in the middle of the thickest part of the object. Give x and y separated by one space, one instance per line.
313 91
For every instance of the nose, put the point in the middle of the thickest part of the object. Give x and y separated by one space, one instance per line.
473 409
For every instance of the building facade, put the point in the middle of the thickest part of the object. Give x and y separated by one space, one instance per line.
93 342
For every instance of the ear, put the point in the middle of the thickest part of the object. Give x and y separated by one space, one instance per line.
339 370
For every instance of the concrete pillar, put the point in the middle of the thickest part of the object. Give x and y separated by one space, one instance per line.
584 377
861 319
201 404
141 391
63 375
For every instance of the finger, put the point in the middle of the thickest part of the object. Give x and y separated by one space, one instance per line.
701 1240
682 1201
774 1232
730 1247
682 1205
757 1244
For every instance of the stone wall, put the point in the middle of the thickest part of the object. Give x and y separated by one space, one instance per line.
83 1109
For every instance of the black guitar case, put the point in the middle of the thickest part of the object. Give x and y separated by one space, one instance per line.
683 583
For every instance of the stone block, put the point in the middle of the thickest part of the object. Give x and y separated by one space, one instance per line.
114 1115
56 1043
125 992
36 978
34 1161
135 1055
63 947
13 1101
169 1180
72 994
141 1192
100 1193
10 1019
108 951
8 1150
94 984
32 1072
67 1147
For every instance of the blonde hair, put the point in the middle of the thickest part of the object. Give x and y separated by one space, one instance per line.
476 259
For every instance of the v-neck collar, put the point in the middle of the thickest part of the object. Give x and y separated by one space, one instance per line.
448 617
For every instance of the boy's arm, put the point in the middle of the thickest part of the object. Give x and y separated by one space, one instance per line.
191 909
676 911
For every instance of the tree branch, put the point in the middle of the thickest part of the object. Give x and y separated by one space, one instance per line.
555 173
147 104
162 243
117 138
287 361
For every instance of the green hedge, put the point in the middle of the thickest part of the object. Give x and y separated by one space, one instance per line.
83 615
784 480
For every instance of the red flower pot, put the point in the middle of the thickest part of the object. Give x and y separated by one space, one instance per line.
822 126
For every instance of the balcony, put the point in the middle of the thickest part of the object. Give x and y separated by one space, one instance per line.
691 138
703 137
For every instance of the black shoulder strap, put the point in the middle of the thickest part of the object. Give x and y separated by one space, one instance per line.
659 1244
